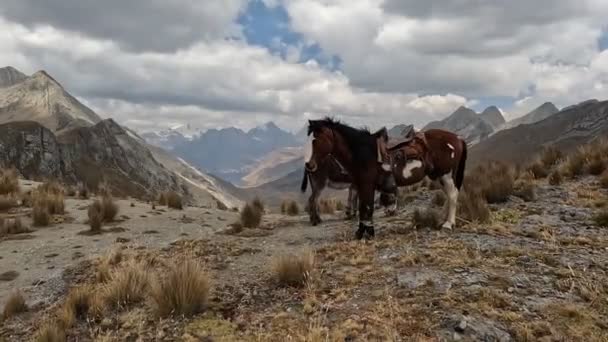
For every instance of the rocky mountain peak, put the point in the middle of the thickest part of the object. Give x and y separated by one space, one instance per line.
493 116
10 76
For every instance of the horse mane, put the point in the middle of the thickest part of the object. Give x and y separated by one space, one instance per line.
361 141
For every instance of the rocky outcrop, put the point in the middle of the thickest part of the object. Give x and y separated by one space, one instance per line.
103 152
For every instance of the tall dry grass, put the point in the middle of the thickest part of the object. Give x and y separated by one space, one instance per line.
9 181
183 292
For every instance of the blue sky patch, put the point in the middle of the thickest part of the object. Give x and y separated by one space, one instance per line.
269 27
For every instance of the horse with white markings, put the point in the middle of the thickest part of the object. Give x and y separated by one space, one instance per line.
436 153
361 153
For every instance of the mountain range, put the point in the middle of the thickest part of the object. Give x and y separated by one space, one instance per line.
47 133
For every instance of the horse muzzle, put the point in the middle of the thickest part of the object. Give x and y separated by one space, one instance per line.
311 166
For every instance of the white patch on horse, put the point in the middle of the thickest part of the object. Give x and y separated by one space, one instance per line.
338 185
308 148
411 166
451 148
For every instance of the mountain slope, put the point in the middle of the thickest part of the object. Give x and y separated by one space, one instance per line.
466 123
42 99
566 130
89 155
274 166
45 132
540 113
231 153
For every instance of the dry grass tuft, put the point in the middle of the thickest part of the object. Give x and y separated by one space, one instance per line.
127 285
555 178
251 216
293 209
14 305
327 206
596 165
12 226
494 180
8 202
603 179
51 187
426 218
538 169
50 332
574 165
526 190
439 199
40 215
185 290
601 218
95 213
9 182
550 156
472 206
109 208
54 202
171 199
293 270
81 302
258 204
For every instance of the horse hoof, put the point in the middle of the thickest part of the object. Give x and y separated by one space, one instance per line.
359 234
371 232
447 225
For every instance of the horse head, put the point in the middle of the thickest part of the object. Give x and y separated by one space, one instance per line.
321 142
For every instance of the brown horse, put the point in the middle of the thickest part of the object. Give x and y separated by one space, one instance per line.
359 152
435 153
332 175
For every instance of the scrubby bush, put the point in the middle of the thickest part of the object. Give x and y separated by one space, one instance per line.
550 156
472 206
95 213
184 292
258 204
526 190
171 199
40 215
293 269
9 182
14 305
426 218
538 169
555 178
293 209
11 226
251 216
109 208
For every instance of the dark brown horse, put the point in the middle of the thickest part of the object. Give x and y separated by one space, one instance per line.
332 175
435 153
359 152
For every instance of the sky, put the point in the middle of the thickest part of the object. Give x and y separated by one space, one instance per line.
153 64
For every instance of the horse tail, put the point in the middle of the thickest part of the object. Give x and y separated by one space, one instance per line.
461 165
304 181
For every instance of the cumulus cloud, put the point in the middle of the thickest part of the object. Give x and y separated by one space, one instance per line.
152 64
135 24
474 48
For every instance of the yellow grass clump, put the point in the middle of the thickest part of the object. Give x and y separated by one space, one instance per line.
9 182
127 285
50 332
14 305
109 208
95 213
40 215
251 216
171 199
293 269
185 290
81 302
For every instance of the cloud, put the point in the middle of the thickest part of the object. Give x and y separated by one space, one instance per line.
215 83
135 24
473 48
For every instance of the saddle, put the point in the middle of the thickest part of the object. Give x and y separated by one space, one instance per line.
413 146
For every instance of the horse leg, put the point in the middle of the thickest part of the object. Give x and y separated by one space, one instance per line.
351 209
366 212
451 192
313 205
